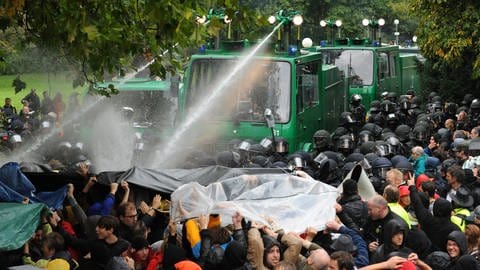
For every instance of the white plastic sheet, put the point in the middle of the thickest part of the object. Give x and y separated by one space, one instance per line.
294 203
364 185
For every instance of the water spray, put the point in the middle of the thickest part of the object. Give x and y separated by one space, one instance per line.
202 107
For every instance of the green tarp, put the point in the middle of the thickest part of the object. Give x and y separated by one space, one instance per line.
18 223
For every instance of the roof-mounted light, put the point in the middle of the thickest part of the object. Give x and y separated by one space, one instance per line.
365 22
292 50
201 19
307 43
272 19
226 19
297 20
381 22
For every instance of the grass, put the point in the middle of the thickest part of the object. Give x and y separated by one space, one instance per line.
52 83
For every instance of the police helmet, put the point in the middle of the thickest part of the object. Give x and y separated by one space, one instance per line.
403 132
365 136
475 105
281 145
321 139
432 165
367 147
354 157
380 166
397 159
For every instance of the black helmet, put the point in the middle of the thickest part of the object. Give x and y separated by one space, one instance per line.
405 104
267 144
281 145
393 141
355 157
447 163
383 149
432 165
397 159
387 106
365 136
419 133
228 159
321 139
367 147
338 157
431 95
261 160
375 103
468 98
437 106
437 99
233 144
392 96
403 132
257 149
384 95
347 168
416 102
370 157
345 144
338 132
355 99
404 165
296 161
475 105
374 129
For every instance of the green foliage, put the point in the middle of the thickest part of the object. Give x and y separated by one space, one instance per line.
105 36
449 33
449 39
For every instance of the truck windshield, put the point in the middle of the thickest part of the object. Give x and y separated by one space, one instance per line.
266 84
356 64
149 107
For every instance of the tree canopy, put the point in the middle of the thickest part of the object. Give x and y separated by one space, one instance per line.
106 36
449 38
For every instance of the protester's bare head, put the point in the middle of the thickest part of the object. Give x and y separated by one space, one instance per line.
377 207
318 259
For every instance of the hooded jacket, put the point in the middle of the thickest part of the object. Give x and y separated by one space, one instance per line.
257 247
464 260
391 228
461 240
437 226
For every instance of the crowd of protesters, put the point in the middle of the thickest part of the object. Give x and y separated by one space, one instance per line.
422 158
36 115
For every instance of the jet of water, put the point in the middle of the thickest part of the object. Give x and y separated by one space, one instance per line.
30 151
202 108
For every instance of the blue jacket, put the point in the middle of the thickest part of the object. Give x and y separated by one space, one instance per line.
419 164
361 258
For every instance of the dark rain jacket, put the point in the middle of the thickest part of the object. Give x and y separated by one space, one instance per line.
355 208
391 228
464 260
437 226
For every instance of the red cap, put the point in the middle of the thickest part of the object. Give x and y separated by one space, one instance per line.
408 265
420 179
403 191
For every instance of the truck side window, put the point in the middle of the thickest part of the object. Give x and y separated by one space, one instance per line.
307 75
383 69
